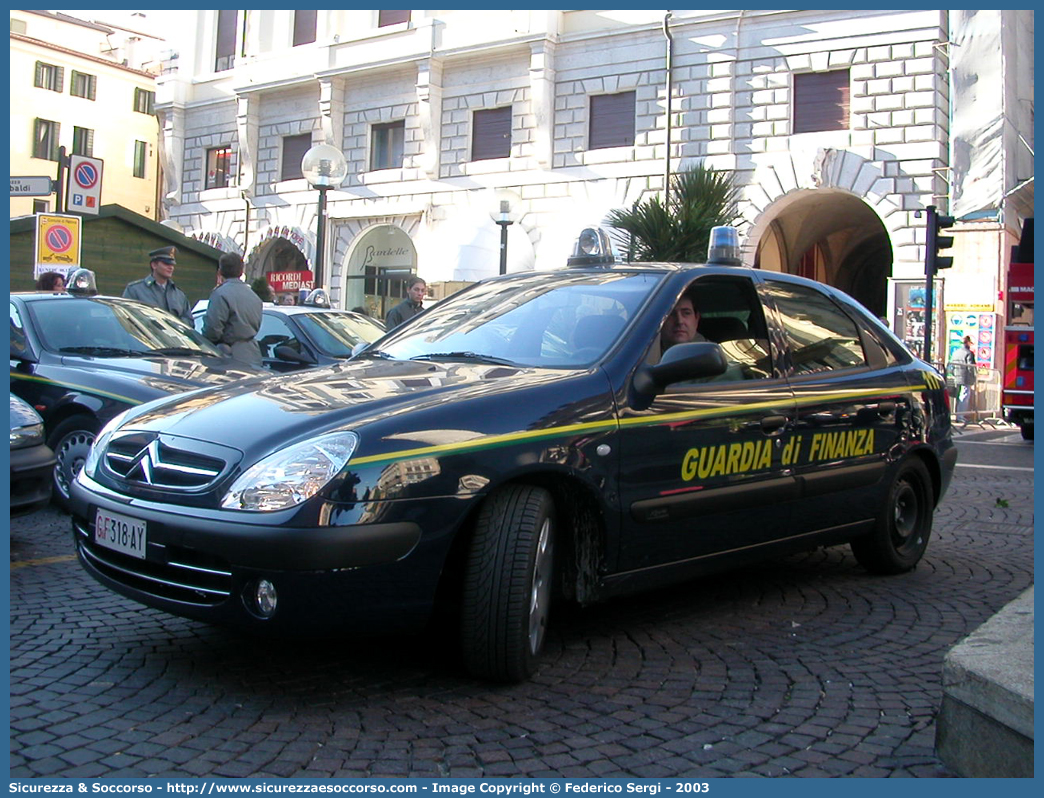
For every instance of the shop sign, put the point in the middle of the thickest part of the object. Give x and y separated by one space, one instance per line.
290 281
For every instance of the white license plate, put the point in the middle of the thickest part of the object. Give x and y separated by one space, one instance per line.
120 533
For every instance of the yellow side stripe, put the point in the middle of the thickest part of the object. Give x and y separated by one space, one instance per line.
492 441
84 388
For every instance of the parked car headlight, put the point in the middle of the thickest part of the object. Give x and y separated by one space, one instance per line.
291 476
90 465
29 435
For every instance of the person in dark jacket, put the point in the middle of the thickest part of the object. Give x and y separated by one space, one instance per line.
234 313
410 306
158 288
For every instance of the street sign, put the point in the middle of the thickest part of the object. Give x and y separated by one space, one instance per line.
31 186
57 241
85 184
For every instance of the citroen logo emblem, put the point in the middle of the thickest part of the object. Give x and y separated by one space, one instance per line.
144 461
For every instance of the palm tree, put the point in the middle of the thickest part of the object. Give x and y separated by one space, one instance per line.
678 230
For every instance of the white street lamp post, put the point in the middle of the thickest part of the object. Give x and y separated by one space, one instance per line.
324 167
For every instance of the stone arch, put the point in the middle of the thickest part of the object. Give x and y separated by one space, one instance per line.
831 215
369 249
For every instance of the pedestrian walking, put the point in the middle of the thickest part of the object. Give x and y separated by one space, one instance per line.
234 313
962 366
416 288
158 288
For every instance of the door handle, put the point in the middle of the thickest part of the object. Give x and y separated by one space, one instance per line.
773 425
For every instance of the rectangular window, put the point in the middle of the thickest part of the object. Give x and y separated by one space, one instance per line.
144 101
225 52
83 142
45 139
304 27
386 18
491 134
612 120
821 101
294 149
83 85
41 206
49 76
219 164
140 154
387 145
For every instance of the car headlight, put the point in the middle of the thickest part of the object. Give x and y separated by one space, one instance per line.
291 476
90 465
29 435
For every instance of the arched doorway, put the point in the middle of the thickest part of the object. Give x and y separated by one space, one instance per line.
831 236
382 258
278 254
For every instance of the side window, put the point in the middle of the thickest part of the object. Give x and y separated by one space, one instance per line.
19 347
820 335
275 332
725 311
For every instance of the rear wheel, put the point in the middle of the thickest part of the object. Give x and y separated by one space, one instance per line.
904 525
507 584
70 441
1026 428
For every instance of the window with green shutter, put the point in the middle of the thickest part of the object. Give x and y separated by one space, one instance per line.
49 76
45 139
83 142
83 85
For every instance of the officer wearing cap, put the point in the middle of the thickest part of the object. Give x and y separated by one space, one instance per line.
158 288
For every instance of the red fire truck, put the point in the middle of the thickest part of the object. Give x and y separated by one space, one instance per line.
1017 390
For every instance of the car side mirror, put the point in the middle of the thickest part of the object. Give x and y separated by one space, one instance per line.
679 363
288 353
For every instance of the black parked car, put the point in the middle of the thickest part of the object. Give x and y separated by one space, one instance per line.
521 442
80 360
32 460
294 337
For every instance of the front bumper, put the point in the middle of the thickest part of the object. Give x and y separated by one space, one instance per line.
32 471
206 564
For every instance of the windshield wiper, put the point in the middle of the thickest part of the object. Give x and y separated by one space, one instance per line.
176 350
105 351
465 356
377 353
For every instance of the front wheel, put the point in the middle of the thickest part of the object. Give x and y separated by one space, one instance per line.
507 584
1026 428
901 535
70 441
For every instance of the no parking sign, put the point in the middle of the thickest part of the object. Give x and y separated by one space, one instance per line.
85 184
57 242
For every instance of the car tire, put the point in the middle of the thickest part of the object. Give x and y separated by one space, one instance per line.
904 526
70 441
507 584
1027 431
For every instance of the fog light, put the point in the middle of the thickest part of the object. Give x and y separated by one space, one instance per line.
265 598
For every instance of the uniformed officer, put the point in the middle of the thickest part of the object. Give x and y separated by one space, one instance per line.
410 306
234 313
158 288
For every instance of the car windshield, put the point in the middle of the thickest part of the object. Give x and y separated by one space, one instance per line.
109 327
337 334
553 320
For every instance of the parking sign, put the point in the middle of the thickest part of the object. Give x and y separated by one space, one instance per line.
85 184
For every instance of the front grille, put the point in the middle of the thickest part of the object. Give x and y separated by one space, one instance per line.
171 572
166 463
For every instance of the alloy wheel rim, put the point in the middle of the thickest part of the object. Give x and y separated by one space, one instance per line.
540 594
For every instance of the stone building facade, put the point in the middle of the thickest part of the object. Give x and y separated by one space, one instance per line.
836 125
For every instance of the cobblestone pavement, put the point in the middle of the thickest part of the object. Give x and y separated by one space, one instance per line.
805 666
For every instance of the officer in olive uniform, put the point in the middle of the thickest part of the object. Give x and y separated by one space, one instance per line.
158 288
234 313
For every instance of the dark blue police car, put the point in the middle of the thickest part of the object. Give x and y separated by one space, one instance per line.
522 442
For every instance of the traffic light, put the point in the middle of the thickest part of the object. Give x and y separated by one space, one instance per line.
932 260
